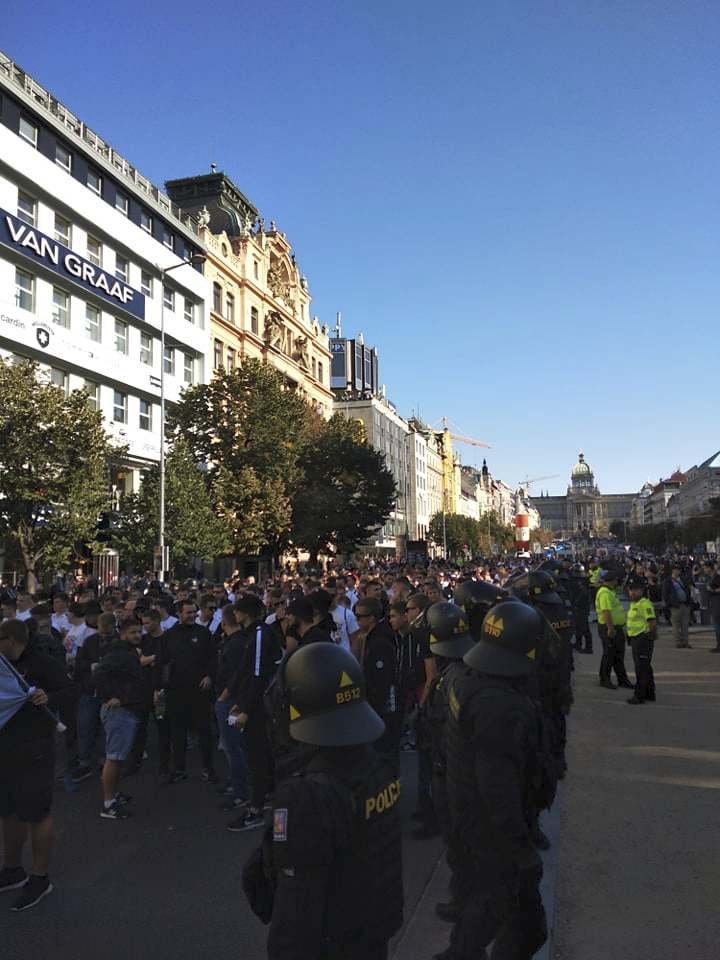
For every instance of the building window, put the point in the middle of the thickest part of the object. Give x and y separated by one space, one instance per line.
94 181
254 320
121 203
230 362
27 208
314 371
61 307
145 415
189 310
169 360
93 391
320 372
92 322
169 298
217 298
146 283
217 355
256 269
94 250
24 290
59 379
167 238
146 349
146 221
28 131
63 230
122 268
63 157
121 336
188 369
119 407
230 308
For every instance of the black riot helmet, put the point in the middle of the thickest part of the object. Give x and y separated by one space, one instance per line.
449 631
325 689
535 585
470 593
508 641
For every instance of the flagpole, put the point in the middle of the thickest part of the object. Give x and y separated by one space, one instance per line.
26 687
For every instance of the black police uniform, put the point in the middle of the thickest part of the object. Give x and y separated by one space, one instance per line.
580 599
555 666
492 757
337 859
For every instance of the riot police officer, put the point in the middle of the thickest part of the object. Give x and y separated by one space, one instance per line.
335 852
492 754
450 640
580 599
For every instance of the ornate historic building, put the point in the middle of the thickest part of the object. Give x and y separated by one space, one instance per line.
260 303
584 511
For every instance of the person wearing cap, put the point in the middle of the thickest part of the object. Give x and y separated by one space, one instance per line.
611 627
641 631
333 847
492 760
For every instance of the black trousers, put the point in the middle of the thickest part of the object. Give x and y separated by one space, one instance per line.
518 935
582 629
358 950
613 657
186 711
642 651
259 761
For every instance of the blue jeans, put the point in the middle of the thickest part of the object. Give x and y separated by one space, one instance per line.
231 743
120 729
88 724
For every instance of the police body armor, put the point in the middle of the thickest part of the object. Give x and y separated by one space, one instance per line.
489 718
436 714
556 661
359 807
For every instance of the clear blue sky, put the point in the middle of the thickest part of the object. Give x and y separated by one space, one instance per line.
516 201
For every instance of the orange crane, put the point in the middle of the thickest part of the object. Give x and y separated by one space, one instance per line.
462 439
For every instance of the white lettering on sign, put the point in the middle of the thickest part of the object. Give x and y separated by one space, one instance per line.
75 265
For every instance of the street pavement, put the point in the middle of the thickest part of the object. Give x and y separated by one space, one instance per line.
639 872
164 884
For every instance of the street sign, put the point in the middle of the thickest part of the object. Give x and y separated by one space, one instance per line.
536 548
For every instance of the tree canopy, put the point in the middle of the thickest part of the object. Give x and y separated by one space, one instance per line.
54 469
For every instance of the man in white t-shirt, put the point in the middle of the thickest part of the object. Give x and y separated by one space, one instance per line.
60 621
346 624
24 606
167 620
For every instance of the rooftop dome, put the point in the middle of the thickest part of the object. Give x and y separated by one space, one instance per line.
581 469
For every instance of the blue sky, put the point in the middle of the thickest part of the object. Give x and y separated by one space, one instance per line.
516 201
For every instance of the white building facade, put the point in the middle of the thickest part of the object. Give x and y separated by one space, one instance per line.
84 239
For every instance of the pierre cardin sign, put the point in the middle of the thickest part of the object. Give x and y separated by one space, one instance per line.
54 256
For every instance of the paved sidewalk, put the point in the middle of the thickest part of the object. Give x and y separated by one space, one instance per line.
639 872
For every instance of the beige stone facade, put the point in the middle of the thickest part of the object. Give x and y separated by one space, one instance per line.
260 302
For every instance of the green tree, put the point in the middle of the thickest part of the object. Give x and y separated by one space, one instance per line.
54 469
462 534
346 492
192 527
247 431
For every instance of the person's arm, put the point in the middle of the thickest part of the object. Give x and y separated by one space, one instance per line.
430 674
251 678
302 857
380 675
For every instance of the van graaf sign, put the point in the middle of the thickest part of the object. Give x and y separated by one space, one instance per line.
54 256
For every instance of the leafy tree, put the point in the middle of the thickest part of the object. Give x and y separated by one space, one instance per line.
54 469
192 527
346 493
542 536
248 432
618 529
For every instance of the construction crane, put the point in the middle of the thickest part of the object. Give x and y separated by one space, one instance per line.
471 441
528 480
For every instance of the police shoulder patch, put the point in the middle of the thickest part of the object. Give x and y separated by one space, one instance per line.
280 819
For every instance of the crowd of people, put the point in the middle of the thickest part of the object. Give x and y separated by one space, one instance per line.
470 667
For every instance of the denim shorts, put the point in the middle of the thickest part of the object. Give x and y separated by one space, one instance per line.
120 726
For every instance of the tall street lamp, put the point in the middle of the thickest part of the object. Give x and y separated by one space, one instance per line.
163 558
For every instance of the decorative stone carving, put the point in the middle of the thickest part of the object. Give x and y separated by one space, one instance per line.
203 217
302 352
274 333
